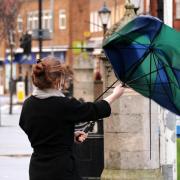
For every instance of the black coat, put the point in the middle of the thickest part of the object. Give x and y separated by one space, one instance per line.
49 125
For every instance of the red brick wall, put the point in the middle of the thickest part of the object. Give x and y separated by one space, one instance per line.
77 13
60 36
153 7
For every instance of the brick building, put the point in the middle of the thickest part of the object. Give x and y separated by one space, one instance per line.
66 22
159 8
71 24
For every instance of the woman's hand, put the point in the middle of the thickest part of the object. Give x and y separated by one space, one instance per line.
80 136
117 92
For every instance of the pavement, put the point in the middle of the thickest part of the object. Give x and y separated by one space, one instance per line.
15 149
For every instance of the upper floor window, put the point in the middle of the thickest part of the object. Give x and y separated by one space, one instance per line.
47 20
20 24
177 9
95 22
62 19
33 20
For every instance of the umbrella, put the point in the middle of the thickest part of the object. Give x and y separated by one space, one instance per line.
145 55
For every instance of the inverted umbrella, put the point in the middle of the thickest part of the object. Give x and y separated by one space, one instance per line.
145 55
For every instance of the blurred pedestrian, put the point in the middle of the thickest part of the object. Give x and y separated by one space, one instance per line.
48 118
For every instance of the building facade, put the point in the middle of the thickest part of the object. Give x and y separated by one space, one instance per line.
64 22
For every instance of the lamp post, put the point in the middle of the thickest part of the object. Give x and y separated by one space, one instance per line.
136 4
11 43
104 14
40 29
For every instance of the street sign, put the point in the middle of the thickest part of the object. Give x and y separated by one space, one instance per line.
43 34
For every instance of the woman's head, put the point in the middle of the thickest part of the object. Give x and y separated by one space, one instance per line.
50 73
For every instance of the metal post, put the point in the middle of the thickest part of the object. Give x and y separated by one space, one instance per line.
40 28
104 30
11 81
52 25
11 42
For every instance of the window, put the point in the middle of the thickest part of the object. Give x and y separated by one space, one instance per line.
91 22
33 20
47 20
177 9
19 24
95 22
62 19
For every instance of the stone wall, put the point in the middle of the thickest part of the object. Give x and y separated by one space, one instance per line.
83 79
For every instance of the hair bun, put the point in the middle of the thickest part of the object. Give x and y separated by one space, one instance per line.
38 69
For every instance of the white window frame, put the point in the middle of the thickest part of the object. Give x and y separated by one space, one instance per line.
33 20
62 19
91 22
177 9
47 20
20 24
95 22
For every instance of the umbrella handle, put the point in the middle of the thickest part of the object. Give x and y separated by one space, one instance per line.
90 125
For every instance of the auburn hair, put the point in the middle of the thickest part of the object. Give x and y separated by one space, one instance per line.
50 73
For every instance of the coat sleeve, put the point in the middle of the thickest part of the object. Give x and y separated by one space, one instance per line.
88 111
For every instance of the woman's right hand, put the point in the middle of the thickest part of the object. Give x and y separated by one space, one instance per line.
117 92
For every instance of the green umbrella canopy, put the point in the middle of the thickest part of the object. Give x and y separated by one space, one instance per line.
145 55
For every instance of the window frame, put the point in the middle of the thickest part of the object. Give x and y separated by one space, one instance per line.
177 9
62 19
19 24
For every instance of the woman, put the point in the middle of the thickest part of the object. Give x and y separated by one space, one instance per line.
48 119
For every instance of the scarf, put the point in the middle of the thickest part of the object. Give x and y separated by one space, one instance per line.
46 93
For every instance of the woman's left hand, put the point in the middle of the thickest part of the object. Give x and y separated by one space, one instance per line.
80 136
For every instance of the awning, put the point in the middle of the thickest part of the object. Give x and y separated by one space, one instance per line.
21 58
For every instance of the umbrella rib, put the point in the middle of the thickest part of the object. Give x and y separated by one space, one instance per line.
148 83
91 124
148 90
172 71
126 37
135 65
164 65
165 89
133 40
168 67
144 75
157 33
146 53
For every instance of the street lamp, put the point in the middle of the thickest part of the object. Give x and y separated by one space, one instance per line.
104 14
136 4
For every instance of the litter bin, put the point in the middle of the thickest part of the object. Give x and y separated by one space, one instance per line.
90 154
